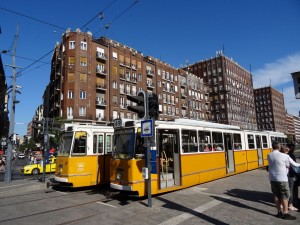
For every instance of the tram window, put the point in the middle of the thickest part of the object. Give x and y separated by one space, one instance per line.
189 141
251 144
237 141
272 139
98 144
265 142
217 139
80 143
109 142
204 141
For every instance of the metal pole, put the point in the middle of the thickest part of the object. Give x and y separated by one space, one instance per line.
46 141
10 143
148 164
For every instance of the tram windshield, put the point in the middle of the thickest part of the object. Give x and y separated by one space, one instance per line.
65 144
124 143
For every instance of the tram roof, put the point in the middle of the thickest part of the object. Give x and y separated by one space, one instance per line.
199 123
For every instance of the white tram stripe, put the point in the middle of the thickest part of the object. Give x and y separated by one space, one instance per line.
102 203
185 216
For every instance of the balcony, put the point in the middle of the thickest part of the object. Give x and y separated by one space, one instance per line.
150 73
101 72
133 67
101 56
122 77
99 119
100 87
100 102
183 95
150 86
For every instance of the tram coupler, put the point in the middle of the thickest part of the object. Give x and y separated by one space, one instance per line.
111 194
52 183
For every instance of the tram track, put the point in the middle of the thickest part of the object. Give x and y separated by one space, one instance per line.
67 198
14 219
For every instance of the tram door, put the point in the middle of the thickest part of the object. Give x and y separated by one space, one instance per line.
229 153
168 150
259 149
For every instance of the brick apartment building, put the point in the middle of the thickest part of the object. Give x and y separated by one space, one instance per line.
4 122
270 109
297 128
231 96
290 126
90 79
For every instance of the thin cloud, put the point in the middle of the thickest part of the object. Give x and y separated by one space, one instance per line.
291 103
277 73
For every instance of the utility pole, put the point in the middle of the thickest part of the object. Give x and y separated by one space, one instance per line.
10 140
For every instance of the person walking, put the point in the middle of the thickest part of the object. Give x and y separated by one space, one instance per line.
292 177
278 167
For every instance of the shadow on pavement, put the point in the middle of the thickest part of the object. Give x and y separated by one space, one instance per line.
254 196
172 205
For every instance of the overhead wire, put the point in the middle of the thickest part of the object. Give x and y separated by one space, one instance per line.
32 18
101 12
98 14
107 26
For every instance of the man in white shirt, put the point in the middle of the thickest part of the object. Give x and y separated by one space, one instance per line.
278 167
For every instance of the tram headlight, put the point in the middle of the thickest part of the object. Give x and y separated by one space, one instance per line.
119 176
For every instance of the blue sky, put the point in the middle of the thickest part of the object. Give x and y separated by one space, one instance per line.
259 34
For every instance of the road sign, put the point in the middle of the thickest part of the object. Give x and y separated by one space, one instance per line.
147 128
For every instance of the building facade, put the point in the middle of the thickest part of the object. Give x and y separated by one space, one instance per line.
91 78
231 91
297 128
270 109
290 127
4 121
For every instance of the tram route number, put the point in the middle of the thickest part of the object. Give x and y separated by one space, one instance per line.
118 123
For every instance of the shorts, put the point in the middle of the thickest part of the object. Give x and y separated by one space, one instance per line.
280 189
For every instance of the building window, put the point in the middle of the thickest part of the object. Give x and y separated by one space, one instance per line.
115 85
114 71
140 77
70 94
71 60
83 45
115 55
82 95
72 45
83 77
83 61
71 77
115 114
69 111
82 111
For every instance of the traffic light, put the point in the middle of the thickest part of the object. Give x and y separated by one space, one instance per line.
141 107
153 106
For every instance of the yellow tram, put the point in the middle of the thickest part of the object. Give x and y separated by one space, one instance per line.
84 155
185 153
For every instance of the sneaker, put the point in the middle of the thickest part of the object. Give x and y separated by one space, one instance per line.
279 215
288 217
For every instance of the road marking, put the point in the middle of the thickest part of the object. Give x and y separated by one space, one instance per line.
185 216
102 203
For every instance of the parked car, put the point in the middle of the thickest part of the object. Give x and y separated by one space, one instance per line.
38 168
21 156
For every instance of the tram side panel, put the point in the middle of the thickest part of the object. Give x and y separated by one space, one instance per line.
79 171
203 167
240 160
